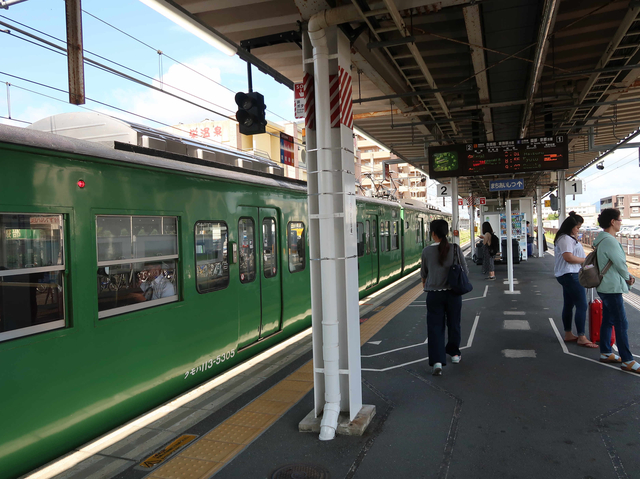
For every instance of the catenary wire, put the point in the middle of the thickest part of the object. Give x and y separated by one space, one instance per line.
171 58
109 106
123 75
116 72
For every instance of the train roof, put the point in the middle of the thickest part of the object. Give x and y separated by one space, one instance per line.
133 154
112 132
401 204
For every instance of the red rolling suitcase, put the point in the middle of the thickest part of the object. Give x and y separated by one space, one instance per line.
595 321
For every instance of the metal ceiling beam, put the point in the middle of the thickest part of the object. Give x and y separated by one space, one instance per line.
473 23
361 52
411 94
547 24
626 23
399 22
597 70
373 64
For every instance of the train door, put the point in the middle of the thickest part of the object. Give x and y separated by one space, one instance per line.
364 259
373 247
260 300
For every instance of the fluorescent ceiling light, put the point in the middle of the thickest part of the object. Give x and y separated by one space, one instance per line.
190 24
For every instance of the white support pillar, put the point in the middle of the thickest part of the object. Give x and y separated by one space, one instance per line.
562 197
509 246
472 224
333 234
455 221
540 234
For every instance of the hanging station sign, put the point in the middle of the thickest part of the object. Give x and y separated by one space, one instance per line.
499 157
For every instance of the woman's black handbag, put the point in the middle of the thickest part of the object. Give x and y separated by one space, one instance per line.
457 278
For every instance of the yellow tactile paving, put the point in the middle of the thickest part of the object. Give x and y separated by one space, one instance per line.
233 433
186 468
301 376
222 444
212 450
252 419
285 395
306 368
289 385
268 407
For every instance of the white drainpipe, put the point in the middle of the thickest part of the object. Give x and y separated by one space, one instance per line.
330 329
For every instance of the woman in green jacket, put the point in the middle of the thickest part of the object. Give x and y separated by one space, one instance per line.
614 283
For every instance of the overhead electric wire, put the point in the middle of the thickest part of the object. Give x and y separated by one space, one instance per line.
93 63
103 104
160 52
13 119
62 51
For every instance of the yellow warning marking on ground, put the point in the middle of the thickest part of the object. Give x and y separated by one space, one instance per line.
160 456
232 436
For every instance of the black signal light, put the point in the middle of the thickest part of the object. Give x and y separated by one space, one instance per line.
251 113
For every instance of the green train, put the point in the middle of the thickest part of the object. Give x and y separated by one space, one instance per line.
127 279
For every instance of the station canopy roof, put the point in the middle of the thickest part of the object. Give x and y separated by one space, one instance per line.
459 71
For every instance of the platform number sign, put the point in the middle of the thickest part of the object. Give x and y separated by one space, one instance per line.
444 189
573 187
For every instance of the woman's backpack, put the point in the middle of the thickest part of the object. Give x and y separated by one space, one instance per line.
590 275
494 247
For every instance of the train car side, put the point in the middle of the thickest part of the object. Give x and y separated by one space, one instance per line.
111 359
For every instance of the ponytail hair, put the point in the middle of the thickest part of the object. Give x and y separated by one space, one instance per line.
440 228
568 224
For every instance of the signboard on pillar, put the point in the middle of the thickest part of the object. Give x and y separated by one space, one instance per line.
506 185
573 187
298 95
286 149
444 189
460 201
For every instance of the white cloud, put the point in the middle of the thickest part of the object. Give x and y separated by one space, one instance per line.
184 83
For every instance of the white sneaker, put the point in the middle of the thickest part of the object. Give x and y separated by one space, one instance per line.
437 369
456 359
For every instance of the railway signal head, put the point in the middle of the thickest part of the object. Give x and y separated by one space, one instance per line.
251 113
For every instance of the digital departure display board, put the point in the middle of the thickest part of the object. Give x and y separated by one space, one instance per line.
499 157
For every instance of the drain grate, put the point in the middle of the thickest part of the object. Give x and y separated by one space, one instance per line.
301 471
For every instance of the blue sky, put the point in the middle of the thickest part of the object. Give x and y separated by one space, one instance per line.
37 64
34 63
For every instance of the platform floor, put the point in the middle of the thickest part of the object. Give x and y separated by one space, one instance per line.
521 403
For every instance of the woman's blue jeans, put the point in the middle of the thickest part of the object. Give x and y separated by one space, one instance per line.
444 310
613 314
574 296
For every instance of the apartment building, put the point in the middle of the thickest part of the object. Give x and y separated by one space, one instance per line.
628 204
379 173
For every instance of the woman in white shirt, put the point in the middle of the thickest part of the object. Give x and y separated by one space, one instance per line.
569 256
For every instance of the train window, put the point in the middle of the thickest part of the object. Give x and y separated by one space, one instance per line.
269 248
374 236
246 240
297 250
361 239
137 262
31 274
212 261
367 232
418 232
394 236
384 236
